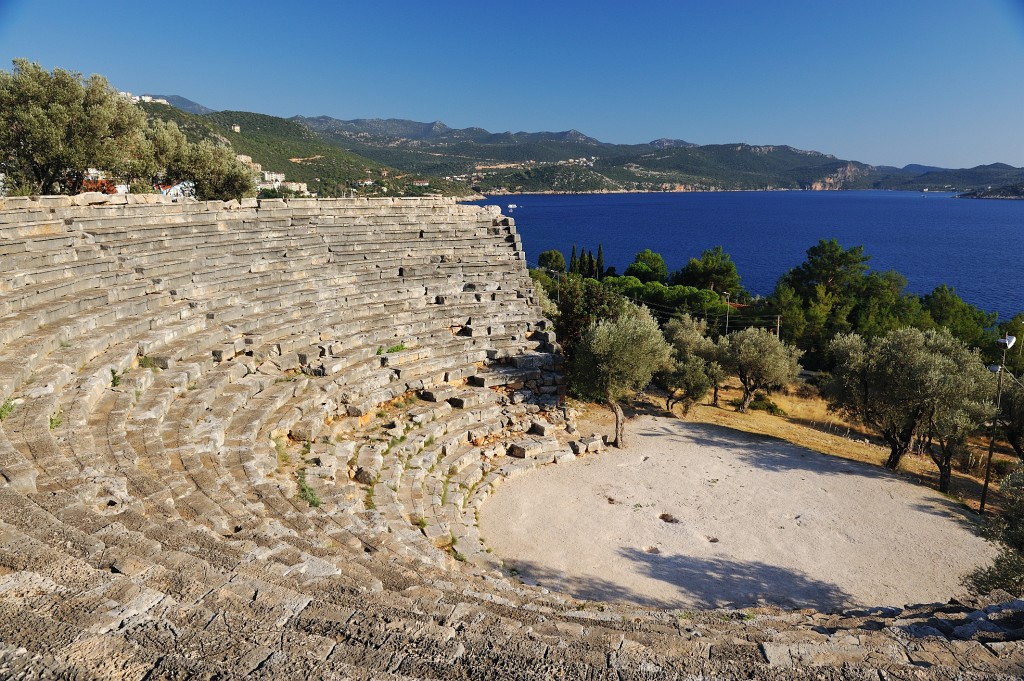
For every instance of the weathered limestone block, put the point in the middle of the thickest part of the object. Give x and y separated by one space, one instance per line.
532 447
541 427
307 429
369 463
470 399
565 456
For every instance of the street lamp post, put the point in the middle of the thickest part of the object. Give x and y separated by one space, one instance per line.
1007 343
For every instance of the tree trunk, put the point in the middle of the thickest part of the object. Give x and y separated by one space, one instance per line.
945 473
620 422
748 397
899 443
714 396
896 452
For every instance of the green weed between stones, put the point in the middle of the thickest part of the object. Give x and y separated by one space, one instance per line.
282 454
307 493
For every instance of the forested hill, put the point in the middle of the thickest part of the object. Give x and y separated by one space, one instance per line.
333 155
284 146
572 161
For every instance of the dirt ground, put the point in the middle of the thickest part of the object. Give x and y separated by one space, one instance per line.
807 422
726 509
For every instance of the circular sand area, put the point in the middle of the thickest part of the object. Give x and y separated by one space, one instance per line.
696 515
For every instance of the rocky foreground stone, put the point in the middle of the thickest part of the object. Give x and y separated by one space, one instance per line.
248 440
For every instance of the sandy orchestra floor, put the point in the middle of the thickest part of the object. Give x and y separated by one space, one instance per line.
697 515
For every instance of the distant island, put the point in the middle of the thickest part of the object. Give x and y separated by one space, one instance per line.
1010 191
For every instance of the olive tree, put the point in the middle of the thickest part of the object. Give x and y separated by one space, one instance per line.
961 404
759 359
686 382
216 172
910 383
55 125
695 370
616 357
688 335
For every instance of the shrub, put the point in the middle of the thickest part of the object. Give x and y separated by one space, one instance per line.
1003 467
760 402
1007 532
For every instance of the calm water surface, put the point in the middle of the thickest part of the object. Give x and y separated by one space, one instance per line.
974 246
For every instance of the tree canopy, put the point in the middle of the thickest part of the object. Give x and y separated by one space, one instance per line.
833 292
552 260
714 270
760 360
581 303
648 266
618 356
55 126
830 265
909 383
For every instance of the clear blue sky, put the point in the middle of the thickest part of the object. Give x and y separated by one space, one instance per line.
890 82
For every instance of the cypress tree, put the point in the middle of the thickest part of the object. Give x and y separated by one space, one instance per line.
574 263
600 262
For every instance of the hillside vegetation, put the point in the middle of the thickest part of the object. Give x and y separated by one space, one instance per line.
281 145
509 161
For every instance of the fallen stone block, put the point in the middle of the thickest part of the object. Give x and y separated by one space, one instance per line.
541 428
565 456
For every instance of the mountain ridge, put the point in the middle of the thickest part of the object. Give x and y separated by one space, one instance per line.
572 161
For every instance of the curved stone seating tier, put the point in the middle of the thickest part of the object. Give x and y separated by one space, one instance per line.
249 440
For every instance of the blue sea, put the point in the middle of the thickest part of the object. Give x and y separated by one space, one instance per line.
974 246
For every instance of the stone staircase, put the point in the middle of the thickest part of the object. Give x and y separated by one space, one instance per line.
249 440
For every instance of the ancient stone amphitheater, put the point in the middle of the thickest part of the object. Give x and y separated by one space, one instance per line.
245 440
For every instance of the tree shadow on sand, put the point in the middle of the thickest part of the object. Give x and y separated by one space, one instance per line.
701 583
761 451
720 582
951 510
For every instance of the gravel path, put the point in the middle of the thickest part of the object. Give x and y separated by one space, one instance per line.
696 515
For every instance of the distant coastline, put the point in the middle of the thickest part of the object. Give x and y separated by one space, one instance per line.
924 236
552 192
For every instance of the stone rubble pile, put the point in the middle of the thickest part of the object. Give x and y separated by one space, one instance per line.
249 439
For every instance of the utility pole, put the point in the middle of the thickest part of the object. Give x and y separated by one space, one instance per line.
778 326
726 313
